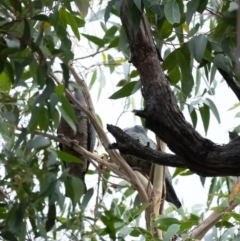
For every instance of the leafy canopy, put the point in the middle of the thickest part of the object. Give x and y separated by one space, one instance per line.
37 41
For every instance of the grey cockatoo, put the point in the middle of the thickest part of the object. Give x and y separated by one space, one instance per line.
85 136
138 133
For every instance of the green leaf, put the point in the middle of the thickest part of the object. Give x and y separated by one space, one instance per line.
212 190
83 6
184 64
114 43
170 62
234 106
213 108
205 114
102 81
99 120
134 74
164 222
166 30
135 15
171 231
63 17
68 157
26 32
108 9
93 79
224 224
16 5
22 236
186 225
51 217
111 63
228 49
11 116
21 138
47 185
78 189
41 17
67 112
53 102
223 63
202 180
86 198
172 11
38 142
126 90
9 236
193 116
15 217
191 9
138 4
174 75
142 208
48 90
66 75
80 22
202 6
197 46
73 24
213 73
98 41
109 35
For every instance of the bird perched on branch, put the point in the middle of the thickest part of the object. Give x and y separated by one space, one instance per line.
85 136
138 133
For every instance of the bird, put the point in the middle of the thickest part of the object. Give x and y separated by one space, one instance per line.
85 136
139 133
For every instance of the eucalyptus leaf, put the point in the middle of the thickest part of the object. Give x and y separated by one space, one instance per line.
127 90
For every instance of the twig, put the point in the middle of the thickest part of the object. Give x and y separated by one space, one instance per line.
209 222
91 55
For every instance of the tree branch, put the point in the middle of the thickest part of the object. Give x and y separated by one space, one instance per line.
126 145
163 115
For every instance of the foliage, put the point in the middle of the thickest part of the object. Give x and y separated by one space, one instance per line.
37 41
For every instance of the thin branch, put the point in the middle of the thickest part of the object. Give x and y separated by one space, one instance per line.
91 55
65 141
209 222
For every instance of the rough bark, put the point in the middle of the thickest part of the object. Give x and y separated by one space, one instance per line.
163 116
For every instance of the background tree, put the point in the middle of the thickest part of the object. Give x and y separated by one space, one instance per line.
39 46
